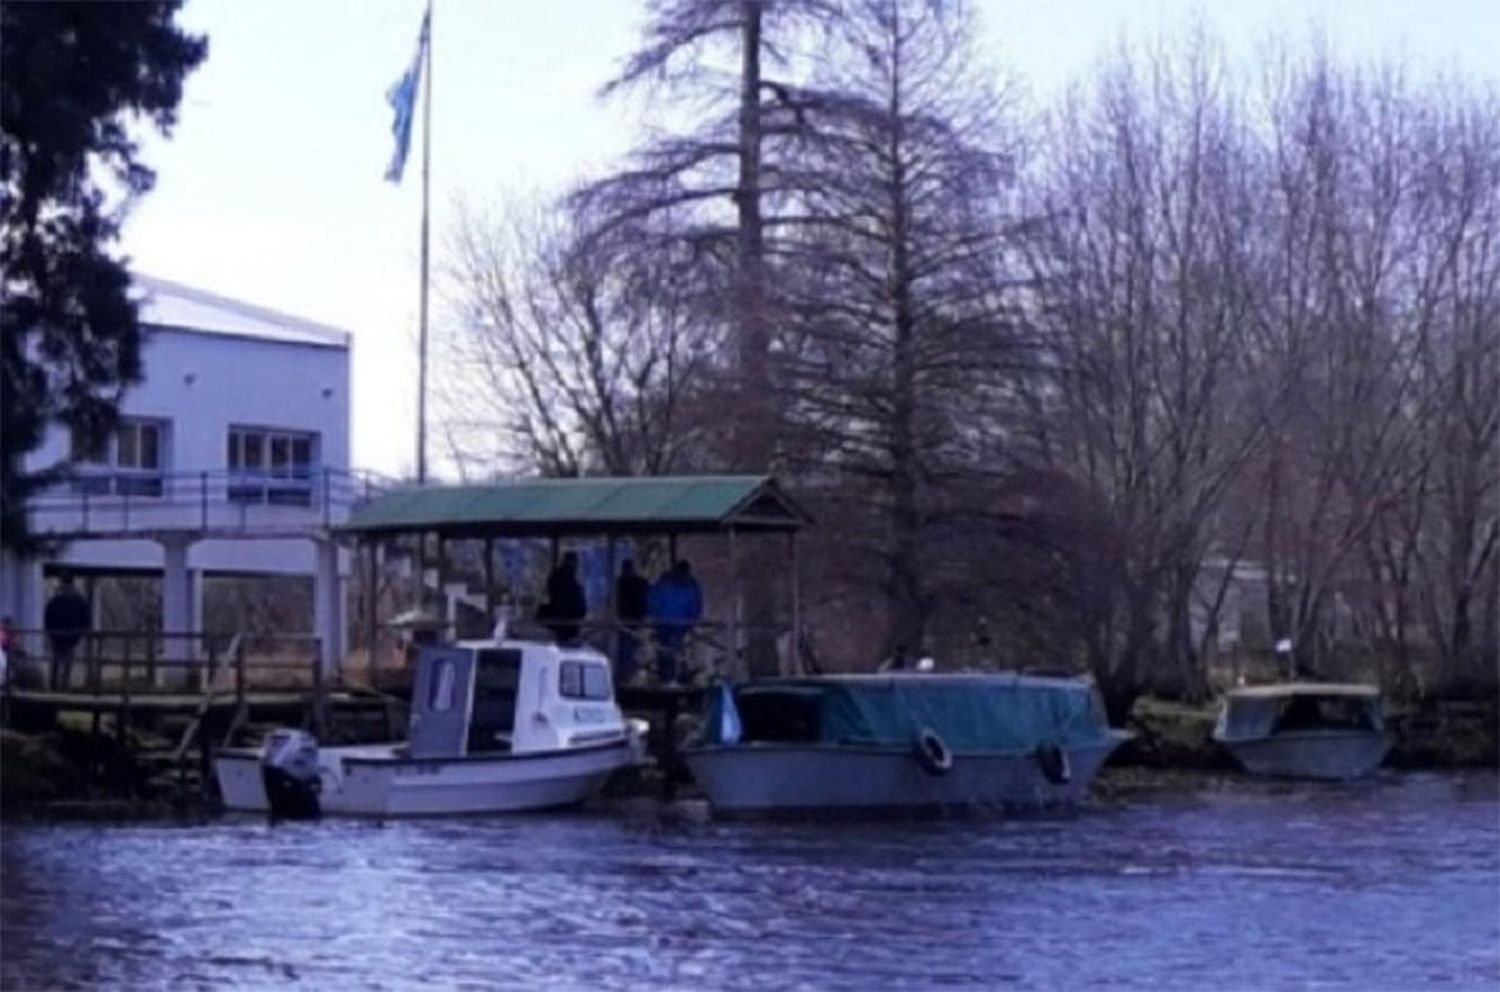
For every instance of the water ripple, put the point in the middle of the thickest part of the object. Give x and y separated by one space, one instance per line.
1394 885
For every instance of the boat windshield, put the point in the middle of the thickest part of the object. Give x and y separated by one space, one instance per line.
1252 717
1325 713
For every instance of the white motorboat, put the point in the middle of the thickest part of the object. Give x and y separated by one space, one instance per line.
1304 729
901 742
496 726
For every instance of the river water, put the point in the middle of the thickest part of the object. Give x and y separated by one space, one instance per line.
1394 884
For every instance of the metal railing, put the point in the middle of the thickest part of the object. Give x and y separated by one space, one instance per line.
88 501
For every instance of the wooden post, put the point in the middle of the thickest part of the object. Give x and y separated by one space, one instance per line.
122 719
734 610
205 767
450 620
207 681
91 640
796 658
611 608
669 748
489 580
421 571
372 604
95 676
239 674
97 706
318 700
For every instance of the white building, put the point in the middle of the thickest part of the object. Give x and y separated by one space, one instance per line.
232 456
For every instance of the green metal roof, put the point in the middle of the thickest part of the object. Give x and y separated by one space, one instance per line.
592 506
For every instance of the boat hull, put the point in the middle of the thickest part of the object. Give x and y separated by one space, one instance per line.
376 781
1329 755
761 778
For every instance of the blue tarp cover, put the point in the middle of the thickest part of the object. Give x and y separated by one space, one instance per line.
970 712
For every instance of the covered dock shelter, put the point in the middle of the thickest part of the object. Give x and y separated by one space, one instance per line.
732 507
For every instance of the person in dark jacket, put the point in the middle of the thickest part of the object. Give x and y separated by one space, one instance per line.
565 607
66 620
676 604
631 595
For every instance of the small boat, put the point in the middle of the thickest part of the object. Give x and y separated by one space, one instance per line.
496 726
901 742
1304 729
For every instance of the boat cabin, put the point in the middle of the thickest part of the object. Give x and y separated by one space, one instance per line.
1265 711
510 696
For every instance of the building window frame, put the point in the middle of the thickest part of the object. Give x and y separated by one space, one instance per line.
130 461
272 465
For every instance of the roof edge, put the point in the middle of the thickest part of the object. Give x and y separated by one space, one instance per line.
335 336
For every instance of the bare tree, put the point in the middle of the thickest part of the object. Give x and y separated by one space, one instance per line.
676 187
1140 299
1378 218
1196 323
570 359
1462 556
897 296
1331 325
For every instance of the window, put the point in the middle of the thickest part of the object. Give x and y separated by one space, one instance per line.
271 466
127 463
583 680
440 699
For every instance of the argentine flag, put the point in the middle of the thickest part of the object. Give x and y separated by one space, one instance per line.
402 96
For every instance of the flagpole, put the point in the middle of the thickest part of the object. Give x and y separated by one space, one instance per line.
422 312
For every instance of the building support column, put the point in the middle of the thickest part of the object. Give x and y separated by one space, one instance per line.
181 610
328 608
23 598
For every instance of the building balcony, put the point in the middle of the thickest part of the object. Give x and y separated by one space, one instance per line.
122 504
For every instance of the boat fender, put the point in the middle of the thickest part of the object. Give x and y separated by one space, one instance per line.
1053 761
932 752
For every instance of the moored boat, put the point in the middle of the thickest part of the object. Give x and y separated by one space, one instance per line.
1309 730
496 726
901 742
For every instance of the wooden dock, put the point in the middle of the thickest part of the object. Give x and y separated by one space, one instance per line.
145 718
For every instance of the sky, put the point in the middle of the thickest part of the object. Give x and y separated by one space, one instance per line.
270 189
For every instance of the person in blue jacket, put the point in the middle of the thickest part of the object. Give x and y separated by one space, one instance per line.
676 604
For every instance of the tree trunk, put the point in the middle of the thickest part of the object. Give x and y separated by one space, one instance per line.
754 436
907 611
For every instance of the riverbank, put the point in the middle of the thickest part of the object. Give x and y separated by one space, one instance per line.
67 773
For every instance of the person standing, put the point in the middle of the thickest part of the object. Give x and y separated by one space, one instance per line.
67 621
631 596
565 607
676 603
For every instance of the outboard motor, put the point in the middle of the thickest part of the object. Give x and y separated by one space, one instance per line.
289 770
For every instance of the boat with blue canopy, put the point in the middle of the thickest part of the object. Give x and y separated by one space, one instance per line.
901 741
